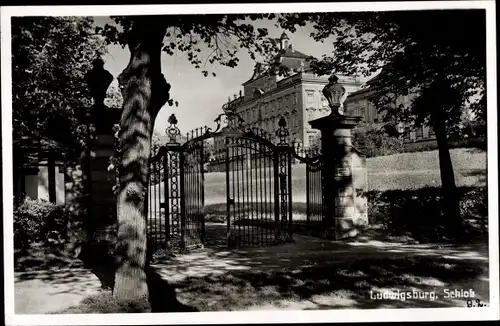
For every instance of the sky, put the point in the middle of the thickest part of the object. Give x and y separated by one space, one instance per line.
201 98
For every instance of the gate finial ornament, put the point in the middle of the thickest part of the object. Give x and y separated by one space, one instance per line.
98 80
172 131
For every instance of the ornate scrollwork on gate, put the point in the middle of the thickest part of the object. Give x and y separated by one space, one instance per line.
282 132
260 133
311 156
174 196
231 120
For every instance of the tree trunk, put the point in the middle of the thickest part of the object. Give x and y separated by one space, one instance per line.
450 193
144 91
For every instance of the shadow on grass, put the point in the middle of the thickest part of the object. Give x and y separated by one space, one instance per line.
40 257
479 174
79 278
162 296
93 259
342 278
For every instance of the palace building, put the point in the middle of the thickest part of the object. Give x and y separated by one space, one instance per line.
297 96
359 103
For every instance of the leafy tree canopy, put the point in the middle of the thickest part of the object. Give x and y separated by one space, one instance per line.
222 35
437 55
50 56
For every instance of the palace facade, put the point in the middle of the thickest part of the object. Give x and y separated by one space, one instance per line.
359 103
297 97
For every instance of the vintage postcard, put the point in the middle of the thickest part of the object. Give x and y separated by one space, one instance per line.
250 163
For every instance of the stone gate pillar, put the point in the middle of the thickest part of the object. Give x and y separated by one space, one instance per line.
102 210
89 197
339 194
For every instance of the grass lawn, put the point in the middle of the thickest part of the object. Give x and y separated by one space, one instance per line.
399 171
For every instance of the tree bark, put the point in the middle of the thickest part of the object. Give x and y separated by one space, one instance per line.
144 92
450 192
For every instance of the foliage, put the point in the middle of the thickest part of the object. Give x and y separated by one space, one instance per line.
373 140
474 205
439 66
419 213
479 143
114 97
50 56
416 59
39 221
474 128
221 35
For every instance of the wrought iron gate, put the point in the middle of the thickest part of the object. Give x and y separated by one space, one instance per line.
313 160
192 197
258 186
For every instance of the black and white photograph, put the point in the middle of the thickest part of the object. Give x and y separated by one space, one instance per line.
300 162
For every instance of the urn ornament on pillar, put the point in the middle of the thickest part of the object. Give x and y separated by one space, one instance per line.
334 92
341 215
98 80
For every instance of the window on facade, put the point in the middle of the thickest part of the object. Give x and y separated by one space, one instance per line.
310 97
419 132
309 115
